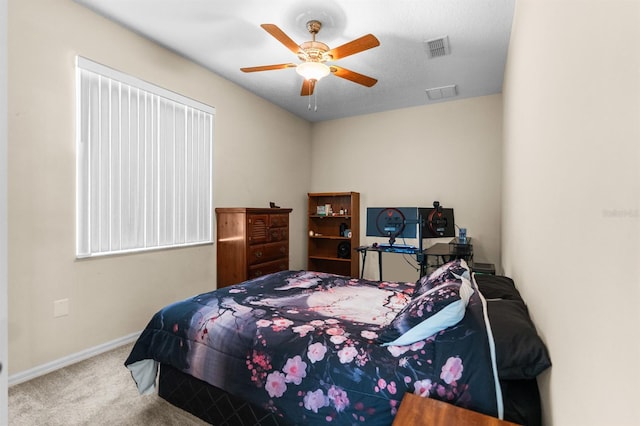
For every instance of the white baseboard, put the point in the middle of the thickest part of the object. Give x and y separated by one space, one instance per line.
49 367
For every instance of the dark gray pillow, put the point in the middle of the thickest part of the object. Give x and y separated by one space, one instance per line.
497 287
520 352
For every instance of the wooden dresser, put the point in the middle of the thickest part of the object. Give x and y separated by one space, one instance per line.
251 242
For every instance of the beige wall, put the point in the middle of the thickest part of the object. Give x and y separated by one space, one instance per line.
450 152
261 155
4 317
571 230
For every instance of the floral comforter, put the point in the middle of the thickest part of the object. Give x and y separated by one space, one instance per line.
304 345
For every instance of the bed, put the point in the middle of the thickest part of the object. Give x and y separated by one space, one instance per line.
304 347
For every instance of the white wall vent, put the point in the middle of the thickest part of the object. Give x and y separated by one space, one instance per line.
437 93
437 47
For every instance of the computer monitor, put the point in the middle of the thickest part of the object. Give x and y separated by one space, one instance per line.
438 222
403 222
396 222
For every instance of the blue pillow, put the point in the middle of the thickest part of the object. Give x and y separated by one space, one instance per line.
450 271
431 312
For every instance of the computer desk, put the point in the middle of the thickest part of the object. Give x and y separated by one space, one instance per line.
380 249
444 251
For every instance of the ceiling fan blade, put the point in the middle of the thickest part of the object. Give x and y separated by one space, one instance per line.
281 37
355 46
353 76
307 87
268 67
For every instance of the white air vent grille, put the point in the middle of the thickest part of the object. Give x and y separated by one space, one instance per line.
437 47
437 93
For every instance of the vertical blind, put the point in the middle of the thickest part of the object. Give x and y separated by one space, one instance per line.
144 165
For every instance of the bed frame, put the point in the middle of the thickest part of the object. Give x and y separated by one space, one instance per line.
209 403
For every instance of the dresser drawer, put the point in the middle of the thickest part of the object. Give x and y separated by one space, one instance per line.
257 228
278 220
278 234
266 252
256 271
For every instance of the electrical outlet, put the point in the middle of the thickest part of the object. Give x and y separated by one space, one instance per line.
60 308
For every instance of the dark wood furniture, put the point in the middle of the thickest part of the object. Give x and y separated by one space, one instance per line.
420 411
445 252
328 250
251 242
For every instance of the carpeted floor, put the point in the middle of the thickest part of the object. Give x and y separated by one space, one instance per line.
98 391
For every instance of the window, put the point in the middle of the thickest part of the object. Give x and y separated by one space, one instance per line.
144 165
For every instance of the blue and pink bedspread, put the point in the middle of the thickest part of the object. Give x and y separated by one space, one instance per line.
305 346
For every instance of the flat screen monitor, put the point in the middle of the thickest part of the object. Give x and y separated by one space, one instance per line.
388 221
438 223
399 222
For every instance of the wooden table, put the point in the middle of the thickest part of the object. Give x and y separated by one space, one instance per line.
420 411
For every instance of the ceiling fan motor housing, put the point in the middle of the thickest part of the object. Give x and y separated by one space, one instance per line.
314 51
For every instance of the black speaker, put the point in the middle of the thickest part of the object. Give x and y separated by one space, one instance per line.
344 250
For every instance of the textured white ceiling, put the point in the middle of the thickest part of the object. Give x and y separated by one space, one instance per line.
225 36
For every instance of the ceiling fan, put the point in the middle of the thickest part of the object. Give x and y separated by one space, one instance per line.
314 54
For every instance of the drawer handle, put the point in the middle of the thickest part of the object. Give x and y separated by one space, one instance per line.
258 254
283 250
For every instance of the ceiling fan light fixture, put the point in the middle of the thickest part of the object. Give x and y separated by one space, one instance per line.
313 70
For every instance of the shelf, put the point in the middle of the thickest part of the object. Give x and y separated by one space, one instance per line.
324 249
329 237
333 259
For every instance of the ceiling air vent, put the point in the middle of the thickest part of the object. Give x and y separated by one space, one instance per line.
437 93
437 47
